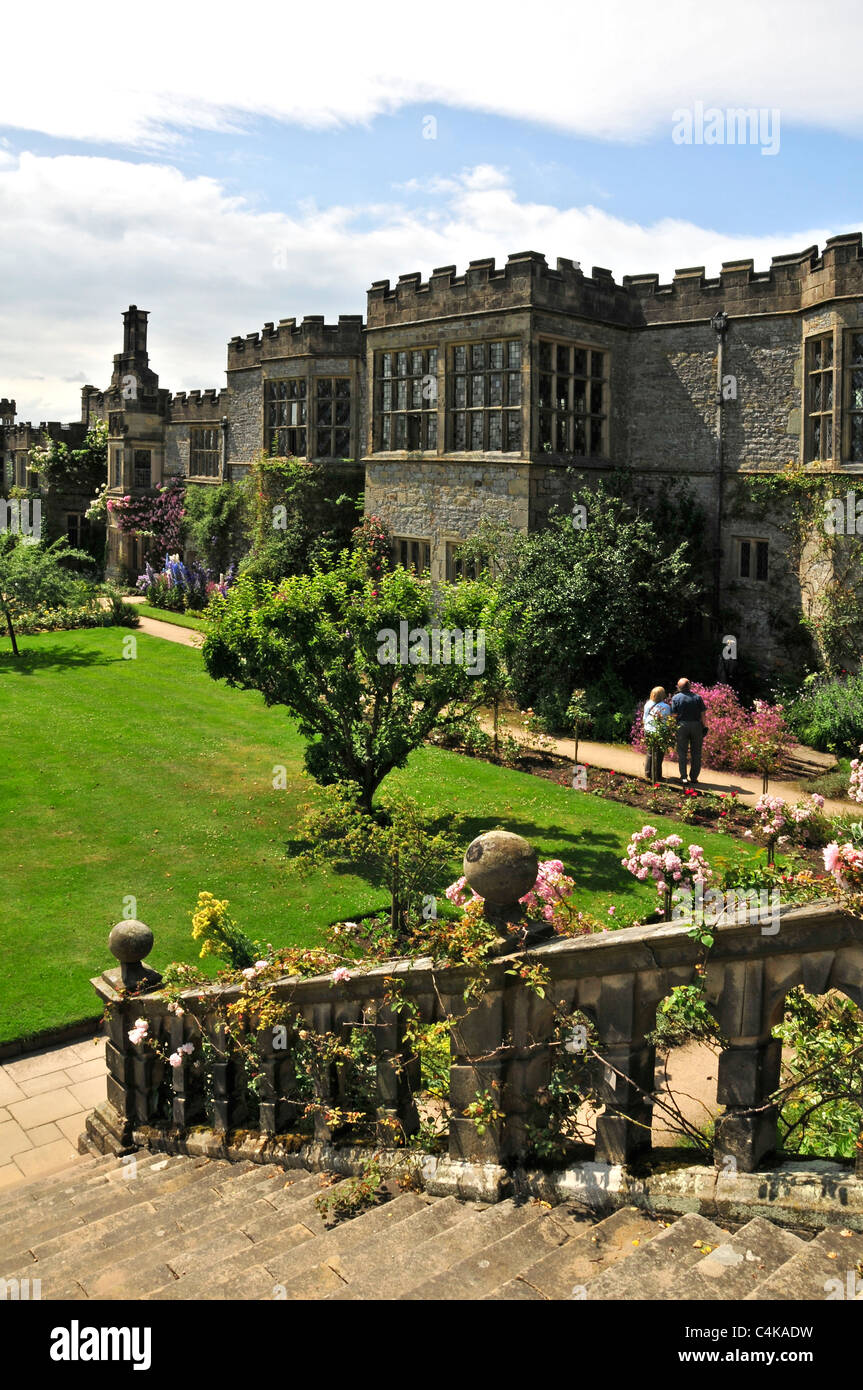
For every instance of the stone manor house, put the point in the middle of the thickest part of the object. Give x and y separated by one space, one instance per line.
491 392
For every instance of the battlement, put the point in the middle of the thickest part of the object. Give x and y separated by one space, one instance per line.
7 408
526 280
195 405
25 435
793 282
291 339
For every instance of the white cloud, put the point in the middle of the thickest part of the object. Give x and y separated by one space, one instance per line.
84 237
111 73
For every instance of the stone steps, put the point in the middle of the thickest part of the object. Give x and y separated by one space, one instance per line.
828 1259
197 1228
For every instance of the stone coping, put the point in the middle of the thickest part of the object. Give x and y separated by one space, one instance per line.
628 950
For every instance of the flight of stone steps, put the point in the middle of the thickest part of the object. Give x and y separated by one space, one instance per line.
194 1228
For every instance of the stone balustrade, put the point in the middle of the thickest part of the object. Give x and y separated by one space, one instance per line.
500 1045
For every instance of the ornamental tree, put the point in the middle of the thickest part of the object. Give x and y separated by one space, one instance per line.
585 602
405 855
780 822
360 662
650 856
32 577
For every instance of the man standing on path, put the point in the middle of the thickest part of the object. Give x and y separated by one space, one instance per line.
691 715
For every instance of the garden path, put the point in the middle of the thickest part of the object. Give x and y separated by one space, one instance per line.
184 635
615 757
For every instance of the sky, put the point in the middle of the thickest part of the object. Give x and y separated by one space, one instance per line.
225 165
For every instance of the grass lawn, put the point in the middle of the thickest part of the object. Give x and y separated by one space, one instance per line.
143 778
165 616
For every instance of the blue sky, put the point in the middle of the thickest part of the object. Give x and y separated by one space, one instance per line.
733 188
212 173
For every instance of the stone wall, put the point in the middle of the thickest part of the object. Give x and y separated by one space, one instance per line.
245 413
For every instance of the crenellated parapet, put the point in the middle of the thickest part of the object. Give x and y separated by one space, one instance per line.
525 281
311 337
194 406
24 434
792 283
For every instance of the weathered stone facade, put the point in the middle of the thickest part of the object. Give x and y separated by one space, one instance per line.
497 392
62 509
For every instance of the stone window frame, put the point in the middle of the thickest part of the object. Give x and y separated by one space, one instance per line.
476 368
412 413
115 465
333 428
559 411
138 467
852 424
205 445
80 527
758 542
295 425
417 564
458 569
819 404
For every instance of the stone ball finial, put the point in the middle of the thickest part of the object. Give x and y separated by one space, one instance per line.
130 941
501 867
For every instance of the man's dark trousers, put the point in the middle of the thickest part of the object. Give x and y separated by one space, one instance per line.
690 735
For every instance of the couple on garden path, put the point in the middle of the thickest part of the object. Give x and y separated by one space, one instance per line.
690 712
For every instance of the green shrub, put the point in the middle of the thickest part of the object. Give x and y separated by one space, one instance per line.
610 705
828 714
161 594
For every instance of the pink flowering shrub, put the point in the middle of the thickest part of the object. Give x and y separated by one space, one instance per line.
157 517
855 784
737 739
845 863
545 900
780 822
648 856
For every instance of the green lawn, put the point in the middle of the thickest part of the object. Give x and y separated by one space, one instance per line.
145 778
164 615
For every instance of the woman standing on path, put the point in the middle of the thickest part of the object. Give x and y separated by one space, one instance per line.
655 711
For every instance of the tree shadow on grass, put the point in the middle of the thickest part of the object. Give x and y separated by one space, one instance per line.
591 856
52 659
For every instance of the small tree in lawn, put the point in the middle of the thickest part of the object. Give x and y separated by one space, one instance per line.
32 577
396 850
352 657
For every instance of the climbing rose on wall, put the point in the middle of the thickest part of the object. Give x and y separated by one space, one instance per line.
157 517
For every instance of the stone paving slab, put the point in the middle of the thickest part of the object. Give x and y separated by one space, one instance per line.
44 1097
51 1081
